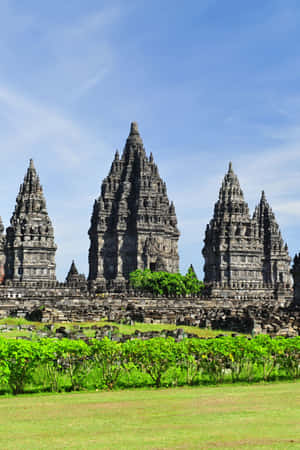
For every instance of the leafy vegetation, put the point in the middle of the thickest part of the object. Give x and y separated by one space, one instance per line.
167 284
54 365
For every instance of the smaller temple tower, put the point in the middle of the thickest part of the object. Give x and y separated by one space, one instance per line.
232 249
276 260
296 276
30 248
74 277
2 252
241 252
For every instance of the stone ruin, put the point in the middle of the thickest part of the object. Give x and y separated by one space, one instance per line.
134 226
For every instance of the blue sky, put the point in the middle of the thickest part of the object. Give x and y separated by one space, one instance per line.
208 81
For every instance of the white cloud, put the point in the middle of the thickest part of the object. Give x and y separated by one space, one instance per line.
63 152
31 124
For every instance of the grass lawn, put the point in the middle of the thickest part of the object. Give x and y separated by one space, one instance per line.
123 329
264 416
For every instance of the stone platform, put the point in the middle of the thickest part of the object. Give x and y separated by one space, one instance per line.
239 311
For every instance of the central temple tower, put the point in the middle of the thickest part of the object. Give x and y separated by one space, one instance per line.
133 224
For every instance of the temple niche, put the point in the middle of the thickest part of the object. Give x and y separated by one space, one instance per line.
240 250
29 245
133 224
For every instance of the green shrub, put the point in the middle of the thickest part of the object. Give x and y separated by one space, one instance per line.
52 364
108 359
165 283
22 358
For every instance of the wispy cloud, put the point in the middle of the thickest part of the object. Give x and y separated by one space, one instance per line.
62 150
82 51
90 83
30 124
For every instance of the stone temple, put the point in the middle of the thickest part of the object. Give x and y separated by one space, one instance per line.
133 224
28 250
241 251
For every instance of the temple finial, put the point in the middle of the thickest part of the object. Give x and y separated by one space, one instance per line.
134 129
134 135
230 167
31 165
263 196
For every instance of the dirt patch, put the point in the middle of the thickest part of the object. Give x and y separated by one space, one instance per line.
250 442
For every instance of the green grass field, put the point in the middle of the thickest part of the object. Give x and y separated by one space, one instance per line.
264 416
123 329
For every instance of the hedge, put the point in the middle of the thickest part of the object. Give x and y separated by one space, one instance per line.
56 365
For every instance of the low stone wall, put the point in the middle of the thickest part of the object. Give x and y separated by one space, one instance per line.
236 313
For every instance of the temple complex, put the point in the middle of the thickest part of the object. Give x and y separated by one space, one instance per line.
241 251
133 224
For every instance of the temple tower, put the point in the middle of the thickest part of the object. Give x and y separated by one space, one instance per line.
232 249
276 260
73 276
133 224
296 276
30 247
2 252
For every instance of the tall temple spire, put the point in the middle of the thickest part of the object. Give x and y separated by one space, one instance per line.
2 252
231 241
231 198
239 249
276 260
30 243
133 224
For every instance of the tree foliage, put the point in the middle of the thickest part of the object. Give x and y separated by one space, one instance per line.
165 283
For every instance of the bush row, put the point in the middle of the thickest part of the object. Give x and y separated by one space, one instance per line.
55 365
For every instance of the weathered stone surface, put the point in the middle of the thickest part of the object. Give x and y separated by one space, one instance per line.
29 246
133 225
62 303
296 275
243 253
74 277
275 260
